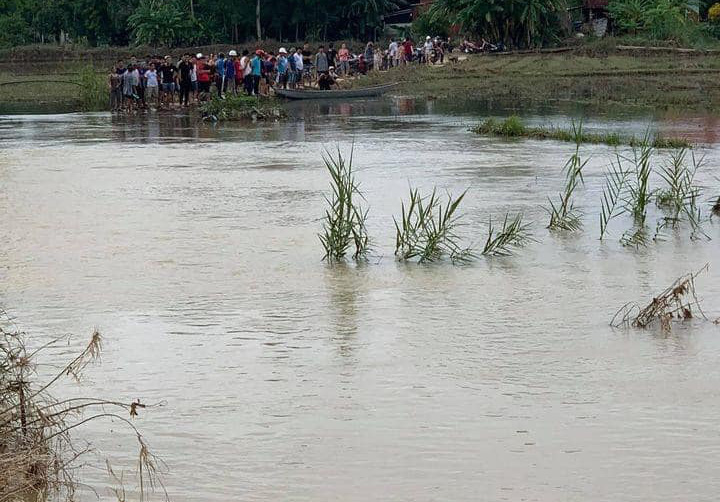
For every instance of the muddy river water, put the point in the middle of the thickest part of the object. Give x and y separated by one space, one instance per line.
194 249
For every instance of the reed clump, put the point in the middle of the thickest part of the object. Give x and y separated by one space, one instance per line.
38 457
513 127
513 233
563 213
427 229
93 90
677 302
628 190
344 225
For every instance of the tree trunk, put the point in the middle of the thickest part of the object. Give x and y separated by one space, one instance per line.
192 9
257 20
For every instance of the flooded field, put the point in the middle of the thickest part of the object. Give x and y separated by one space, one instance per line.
194 249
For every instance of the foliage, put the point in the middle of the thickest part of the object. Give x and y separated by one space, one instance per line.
564 215
514 127
159 22
344 221
615 182
428 25
189 22
513 234
93 91
655 19
39 459
639 193
242 107
427 229
518 23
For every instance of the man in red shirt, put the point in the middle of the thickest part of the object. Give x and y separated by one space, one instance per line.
408 50
203 74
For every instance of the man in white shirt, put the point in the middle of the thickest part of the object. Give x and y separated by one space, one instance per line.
392 52
298 64
427 50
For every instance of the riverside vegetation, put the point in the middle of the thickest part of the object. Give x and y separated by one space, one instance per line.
428 228
513 127
38 456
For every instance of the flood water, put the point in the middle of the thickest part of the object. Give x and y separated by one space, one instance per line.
194 249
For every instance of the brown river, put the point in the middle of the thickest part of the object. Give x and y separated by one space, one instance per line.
193 248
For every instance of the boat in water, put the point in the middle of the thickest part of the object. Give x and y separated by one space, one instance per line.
365 92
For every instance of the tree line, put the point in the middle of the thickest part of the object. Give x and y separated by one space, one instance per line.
516 23
188 22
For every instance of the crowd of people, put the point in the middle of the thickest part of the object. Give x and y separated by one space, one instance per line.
162 82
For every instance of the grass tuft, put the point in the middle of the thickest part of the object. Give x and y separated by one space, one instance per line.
344 221
427 228
513 234
563 214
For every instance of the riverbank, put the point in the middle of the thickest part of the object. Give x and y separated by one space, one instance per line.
601 76
637 78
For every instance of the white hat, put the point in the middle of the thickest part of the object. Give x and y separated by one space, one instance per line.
282 50
427 38
232 53
199 55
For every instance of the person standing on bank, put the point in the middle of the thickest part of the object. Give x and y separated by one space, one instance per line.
321 61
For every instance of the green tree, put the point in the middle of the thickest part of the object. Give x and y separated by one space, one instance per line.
158 22
520 23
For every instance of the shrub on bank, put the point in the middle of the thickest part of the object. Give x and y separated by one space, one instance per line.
242 107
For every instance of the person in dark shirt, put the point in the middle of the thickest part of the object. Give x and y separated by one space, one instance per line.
332 54
168 75
185 69
325 81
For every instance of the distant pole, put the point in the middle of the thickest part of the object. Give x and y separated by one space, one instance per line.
257 20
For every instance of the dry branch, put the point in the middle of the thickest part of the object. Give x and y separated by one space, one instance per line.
678 301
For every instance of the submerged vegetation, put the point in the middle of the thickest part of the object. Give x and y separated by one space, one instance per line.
513 234
677 302
427 229
563 214
513 127
629 191
344 221
241 107
38 457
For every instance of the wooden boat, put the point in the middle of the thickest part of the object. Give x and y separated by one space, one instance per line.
365 92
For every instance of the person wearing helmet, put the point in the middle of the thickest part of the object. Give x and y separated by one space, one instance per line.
281 68
230 71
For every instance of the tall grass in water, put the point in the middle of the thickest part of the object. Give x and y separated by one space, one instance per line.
344 222
680 196
640 193
38 457
427 229
512 234
563 214
628 191
616 180
93 90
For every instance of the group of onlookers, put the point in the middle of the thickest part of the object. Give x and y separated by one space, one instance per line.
159 81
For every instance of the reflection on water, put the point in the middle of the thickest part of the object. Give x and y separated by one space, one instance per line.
194 248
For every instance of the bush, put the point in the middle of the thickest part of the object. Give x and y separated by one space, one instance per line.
655 19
